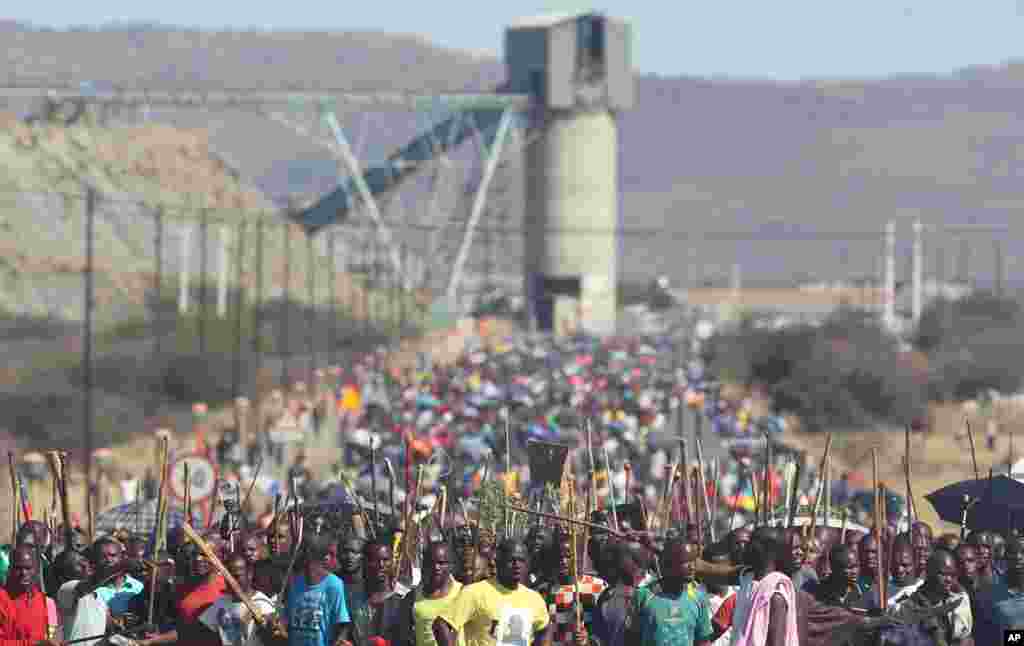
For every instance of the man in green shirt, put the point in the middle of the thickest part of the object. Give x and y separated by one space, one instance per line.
673 610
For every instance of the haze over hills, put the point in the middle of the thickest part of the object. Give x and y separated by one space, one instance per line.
766 166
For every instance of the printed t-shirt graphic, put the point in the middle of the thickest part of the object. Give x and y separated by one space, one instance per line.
232 621
492 615
314 611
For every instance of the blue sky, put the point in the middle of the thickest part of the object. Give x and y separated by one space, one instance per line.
785 39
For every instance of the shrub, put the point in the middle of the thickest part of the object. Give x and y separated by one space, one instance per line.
847 372
973 344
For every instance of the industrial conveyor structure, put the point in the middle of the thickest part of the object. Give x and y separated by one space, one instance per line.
492 119
574 73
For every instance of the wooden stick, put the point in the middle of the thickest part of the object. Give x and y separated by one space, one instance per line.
566 519
252 485
611 486
767 479
911 507
591 490
879 575
974 456
818 499
883 566
683 462
223 571
702 483
58 467
574 564
15 495
794 502
628 468
188 493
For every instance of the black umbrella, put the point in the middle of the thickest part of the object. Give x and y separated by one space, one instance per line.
993 502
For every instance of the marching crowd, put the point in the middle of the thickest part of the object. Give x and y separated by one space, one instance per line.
641 566
760 585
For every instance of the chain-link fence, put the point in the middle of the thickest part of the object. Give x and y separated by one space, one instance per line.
117 314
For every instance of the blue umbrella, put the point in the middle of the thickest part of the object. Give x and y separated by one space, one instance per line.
994 502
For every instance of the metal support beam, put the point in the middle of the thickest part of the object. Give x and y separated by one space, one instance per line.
479 200
356 172
241 97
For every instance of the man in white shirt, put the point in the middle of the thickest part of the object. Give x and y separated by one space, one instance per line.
229 617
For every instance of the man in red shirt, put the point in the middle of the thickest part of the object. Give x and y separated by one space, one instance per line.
25 615
203 587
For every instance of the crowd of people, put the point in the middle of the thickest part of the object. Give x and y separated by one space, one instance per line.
435 526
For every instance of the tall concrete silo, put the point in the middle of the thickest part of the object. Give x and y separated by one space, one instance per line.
579 71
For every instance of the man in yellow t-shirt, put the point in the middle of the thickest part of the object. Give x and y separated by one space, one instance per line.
436 595
499 611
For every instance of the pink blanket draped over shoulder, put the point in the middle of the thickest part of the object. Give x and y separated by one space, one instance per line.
755 633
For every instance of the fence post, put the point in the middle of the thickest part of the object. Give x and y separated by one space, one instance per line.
236 376
332 278
87 349
367 272
404 294
285 292
257 308
158 288
223 270
183 275
311 306
203 240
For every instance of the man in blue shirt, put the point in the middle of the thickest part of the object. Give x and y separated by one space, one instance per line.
120 592
1000 606
315 608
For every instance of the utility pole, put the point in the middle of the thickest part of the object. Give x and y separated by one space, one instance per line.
917 273
890 276
997 257
963 268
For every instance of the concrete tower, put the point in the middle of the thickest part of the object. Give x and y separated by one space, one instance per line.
579 72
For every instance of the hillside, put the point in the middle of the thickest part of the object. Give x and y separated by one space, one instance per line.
763 163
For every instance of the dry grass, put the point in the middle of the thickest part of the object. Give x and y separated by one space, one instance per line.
133 458
938 458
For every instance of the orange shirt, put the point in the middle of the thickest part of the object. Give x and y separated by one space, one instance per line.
193 600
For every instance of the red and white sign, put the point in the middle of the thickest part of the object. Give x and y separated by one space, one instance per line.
202 476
